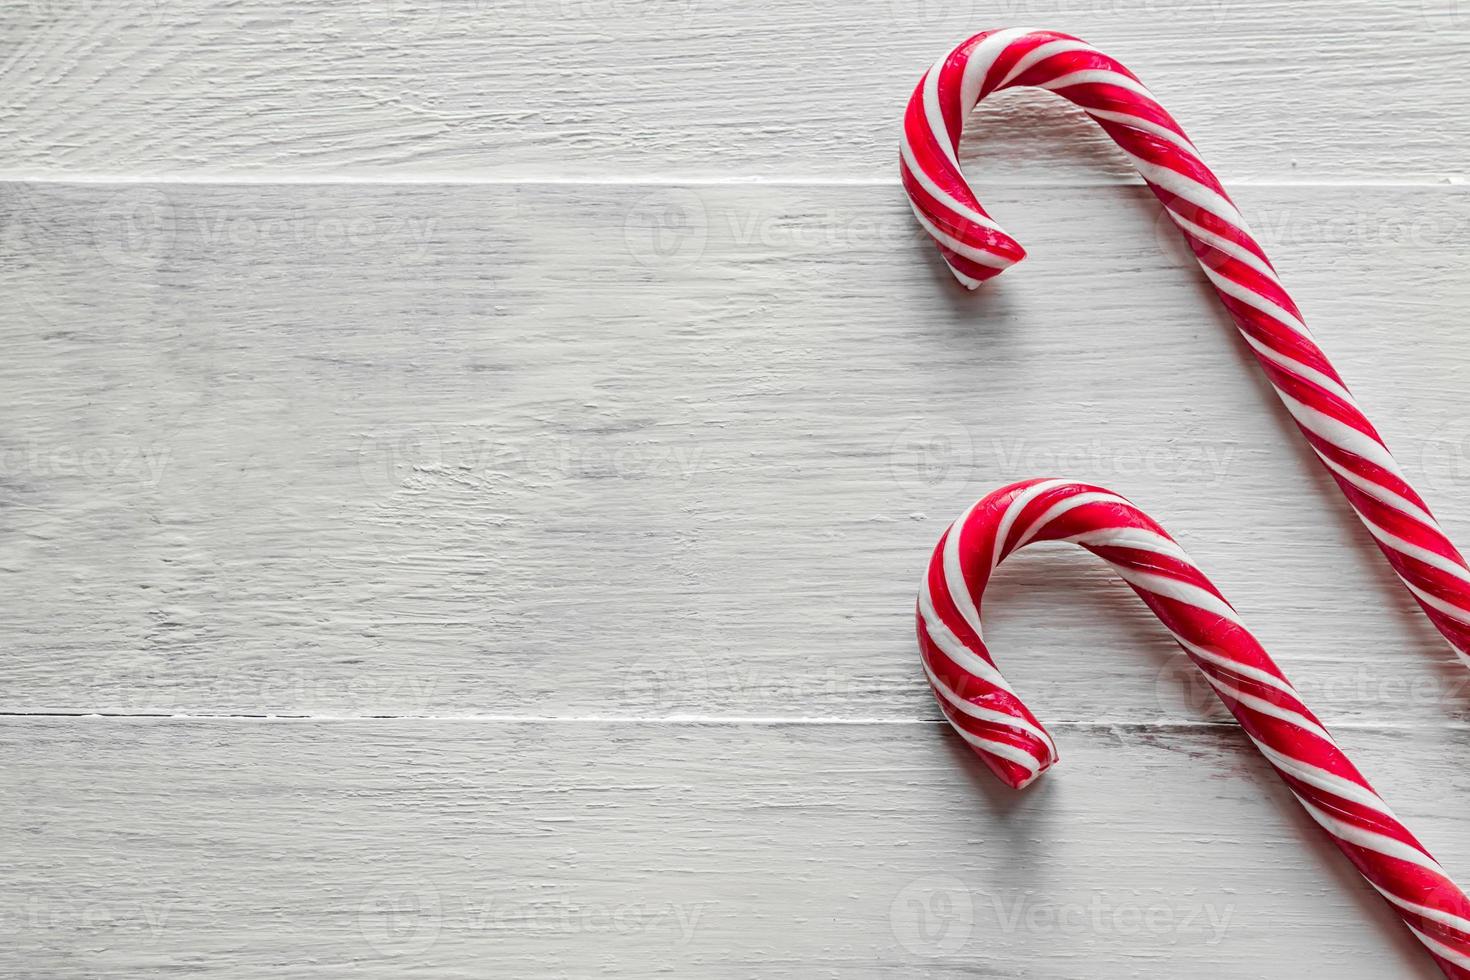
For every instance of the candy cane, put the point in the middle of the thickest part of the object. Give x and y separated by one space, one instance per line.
988 714
976 248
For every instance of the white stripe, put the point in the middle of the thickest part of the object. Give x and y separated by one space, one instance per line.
939 193
1456 922
1098 76
1136 538
1325 780
982 58
1457 613
1434 946
1189 189
1299 369
1379 492
1062 507
1255 300
1264 707
1231 248
1340 434
977 255
988 715
953 647
954 575
1172 588
934 115
1040 53
1013 511
1004 750
1379 843
1245 670
1146 125
1431 558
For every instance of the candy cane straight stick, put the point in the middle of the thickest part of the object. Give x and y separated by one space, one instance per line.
988 715
976 249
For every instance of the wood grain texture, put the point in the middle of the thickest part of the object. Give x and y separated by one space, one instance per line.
617 450
451 849
1270 89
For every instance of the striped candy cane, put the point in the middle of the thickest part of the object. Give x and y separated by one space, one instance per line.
987 714
976 248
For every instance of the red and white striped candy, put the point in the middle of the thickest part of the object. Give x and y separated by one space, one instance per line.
976 248
988 714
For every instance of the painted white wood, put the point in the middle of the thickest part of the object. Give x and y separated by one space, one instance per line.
1270 89
452 849
426 450
614 434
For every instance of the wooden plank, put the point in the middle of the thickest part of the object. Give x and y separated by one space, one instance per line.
455 849
423 450
1270 89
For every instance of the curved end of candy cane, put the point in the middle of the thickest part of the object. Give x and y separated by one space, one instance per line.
973 697
973 245
998 251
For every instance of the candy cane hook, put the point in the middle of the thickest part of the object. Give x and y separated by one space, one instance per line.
976 249
988 714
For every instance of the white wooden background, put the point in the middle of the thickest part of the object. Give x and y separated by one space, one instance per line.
464 467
